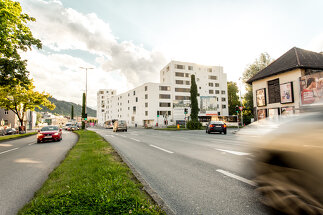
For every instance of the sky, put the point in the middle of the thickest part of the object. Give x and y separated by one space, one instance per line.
128 42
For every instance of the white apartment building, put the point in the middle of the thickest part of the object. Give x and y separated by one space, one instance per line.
163 103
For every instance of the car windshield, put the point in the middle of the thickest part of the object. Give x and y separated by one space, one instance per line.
50 128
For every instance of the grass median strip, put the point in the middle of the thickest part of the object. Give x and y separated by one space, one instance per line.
16 136
91 180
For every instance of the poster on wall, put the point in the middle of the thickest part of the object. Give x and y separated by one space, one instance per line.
311 87
273 113
261 97
286 93
287 111
261 114
208 103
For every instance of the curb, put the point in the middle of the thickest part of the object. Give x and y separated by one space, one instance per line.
146 187
15 138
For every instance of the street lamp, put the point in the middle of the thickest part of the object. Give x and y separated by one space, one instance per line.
86 68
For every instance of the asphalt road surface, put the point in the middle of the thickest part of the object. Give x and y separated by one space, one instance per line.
193 172
24 167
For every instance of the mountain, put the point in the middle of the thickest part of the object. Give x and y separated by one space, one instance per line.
64 108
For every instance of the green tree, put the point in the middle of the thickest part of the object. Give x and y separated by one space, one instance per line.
259 64
72 112
15 37
194 123
83 110
20 98
233 99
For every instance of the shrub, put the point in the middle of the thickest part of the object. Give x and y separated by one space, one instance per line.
194 125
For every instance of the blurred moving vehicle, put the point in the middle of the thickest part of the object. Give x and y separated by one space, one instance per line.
289 162
10 131
120 125
49 133
109 124
216 126
73 128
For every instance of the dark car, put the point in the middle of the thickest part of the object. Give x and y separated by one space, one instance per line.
216 126
49 133
10 131
288 162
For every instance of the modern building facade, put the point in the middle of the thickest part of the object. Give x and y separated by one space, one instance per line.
164 103
293 80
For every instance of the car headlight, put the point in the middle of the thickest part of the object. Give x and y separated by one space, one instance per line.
40 135
56 133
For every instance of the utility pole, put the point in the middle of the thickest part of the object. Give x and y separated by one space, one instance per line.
240 81
86 68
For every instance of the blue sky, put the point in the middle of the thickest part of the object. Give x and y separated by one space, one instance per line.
129 41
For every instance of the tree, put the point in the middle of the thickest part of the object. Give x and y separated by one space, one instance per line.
233 99
15 37
21 98
72 112
259 64
83 111
194 122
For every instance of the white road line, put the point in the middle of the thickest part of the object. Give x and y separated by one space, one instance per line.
122 135
233 152
30 144
247 181
162 149
109 135
8 150
135 139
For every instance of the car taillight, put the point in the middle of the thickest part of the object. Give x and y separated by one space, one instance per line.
211 126
224 126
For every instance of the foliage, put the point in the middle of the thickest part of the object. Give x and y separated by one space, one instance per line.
233 99
194 125
15 37
20 98
91 180
72 112
64 108
259 64
194 104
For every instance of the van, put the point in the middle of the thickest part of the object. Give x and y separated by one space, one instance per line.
120 125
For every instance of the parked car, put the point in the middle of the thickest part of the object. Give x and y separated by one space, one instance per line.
120 125
216 126
288 162
73 128
49 133
10 131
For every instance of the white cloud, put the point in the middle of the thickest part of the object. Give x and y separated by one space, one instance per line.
316 44
62 29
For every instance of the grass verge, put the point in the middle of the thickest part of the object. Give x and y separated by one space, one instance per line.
16 136
91 180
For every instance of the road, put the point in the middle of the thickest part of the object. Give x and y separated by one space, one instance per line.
193 172
24 167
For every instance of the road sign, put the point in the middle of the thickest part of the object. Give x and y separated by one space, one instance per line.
241 108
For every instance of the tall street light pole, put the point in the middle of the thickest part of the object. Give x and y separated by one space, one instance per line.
86 68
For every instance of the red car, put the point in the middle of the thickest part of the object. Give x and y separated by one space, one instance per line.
49 133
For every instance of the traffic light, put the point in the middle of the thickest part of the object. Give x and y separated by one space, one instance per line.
185 110
158 113
237 108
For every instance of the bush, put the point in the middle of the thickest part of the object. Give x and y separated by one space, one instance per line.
194 125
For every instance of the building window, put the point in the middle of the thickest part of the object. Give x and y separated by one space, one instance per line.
223 99
128 94
146 104
128 108
190 67
182 97
6 112
146 113
164 96
187 90
213 77
6 122
216 84
223 106
217 92
146 88
179 74
136 99
211 92
178 66
146 96
187 82
164 113
187 75
164 104
101 92
134 93
210 84
274 91
179 82
222 92
209 69
134 109
199 87
111 93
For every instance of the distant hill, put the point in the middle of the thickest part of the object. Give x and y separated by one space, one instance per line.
64 108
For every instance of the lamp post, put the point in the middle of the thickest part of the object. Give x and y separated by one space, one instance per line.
86 68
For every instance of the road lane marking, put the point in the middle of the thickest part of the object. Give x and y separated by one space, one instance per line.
8 150
122 135
135 139
109 135
233 152
30 144
247 181
162 149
